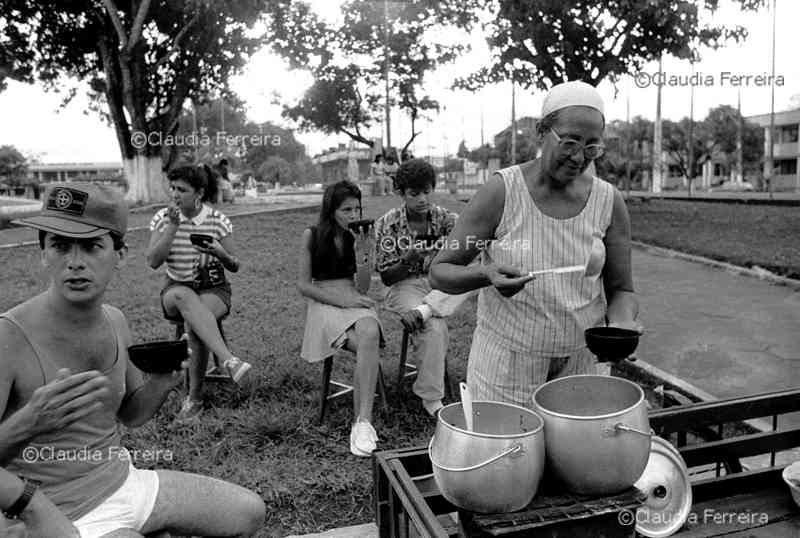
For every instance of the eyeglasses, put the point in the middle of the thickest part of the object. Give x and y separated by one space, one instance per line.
572 147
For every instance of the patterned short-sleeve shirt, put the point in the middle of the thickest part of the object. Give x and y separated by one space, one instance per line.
394 237
183 259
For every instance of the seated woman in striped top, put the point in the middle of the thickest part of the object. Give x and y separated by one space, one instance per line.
196 290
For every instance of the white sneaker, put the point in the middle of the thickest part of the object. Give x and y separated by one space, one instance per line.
189 410
237 368
362 438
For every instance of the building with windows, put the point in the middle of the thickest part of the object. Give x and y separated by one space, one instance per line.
347 161
785 147
56 172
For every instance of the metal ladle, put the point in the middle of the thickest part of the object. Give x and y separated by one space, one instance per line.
466 404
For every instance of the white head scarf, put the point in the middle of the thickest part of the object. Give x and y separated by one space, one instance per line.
572 93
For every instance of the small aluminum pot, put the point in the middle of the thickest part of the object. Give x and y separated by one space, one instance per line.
495 468
597 433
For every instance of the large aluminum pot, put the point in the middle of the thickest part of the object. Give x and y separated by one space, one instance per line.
496 467
596 432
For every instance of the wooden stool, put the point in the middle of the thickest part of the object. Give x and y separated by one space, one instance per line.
343 388
406 370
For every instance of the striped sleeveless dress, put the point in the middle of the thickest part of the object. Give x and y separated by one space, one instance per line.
522 341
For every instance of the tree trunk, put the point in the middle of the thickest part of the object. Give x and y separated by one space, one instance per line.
146 180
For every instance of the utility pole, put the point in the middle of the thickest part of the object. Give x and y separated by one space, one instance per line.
194 130
513 124
770 136
386 72
628 140
739 146
482 142
657 136
690 171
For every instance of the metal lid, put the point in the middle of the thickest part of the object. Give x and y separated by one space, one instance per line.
665 481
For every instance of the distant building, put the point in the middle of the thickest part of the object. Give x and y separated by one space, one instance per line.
525 125
111 172
344 162
786 165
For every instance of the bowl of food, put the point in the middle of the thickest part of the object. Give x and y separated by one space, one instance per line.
611 343
791 475
362 225
159 357
200 240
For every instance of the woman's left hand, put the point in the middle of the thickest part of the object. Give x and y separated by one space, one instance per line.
631 325
364 243
214 248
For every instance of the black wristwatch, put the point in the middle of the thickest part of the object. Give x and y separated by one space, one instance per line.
19 506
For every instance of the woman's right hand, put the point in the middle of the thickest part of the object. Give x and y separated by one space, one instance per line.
174 214
506 279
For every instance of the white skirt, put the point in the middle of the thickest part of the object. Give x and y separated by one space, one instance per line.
326 328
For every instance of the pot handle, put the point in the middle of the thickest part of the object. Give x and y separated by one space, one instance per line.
620 427
513 450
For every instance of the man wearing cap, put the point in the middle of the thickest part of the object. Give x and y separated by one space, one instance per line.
66 384
546 213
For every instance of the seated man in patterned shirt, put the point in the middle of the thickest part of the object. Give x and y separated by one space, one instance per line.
407 239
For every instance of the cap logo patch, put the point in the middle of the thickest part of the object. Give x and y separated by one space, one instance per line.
67 200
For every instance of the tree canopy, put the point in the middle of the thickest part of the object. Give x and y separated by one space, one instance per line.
348 61
13 165
540 43
141 58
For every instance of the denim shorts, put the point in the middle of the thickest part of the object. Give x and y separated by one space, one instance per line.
223 291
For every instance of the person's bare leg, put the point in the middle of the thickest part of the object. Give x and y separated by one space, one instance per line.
366 345
197 366
190 504
202 320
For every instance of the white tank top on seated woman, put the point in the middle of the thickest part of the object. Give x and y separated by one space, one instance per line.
548 316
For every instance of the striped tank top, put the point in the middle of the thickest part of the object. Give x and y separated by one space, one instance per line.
183 259
548 316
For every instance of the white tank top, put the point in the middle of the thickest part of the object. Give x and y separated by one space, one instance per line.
547 317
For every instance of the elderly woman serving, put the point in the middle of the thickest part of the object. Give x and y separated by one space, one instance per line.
546 213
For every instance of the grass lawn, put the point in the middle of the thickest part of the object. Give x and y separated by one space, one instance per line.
742 234
268 440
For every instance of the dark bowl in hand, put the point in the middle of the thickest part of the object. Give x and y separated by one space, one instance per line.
611 343
161 357
200 240
361 225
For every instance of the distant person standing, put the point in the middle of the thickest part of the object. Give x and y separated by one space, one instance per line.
378 175
225 192
390 171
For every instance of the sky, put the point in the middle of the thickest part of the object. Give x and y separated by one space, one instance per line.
33 122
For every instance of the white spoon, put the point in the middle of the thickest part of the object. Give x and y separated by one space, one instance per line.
559 270
466 403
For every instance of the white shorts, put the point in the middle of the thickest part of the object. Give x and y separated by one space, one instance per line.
127 508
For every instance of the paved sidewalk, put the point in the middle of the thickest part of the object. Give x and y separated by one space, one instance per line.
729 335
